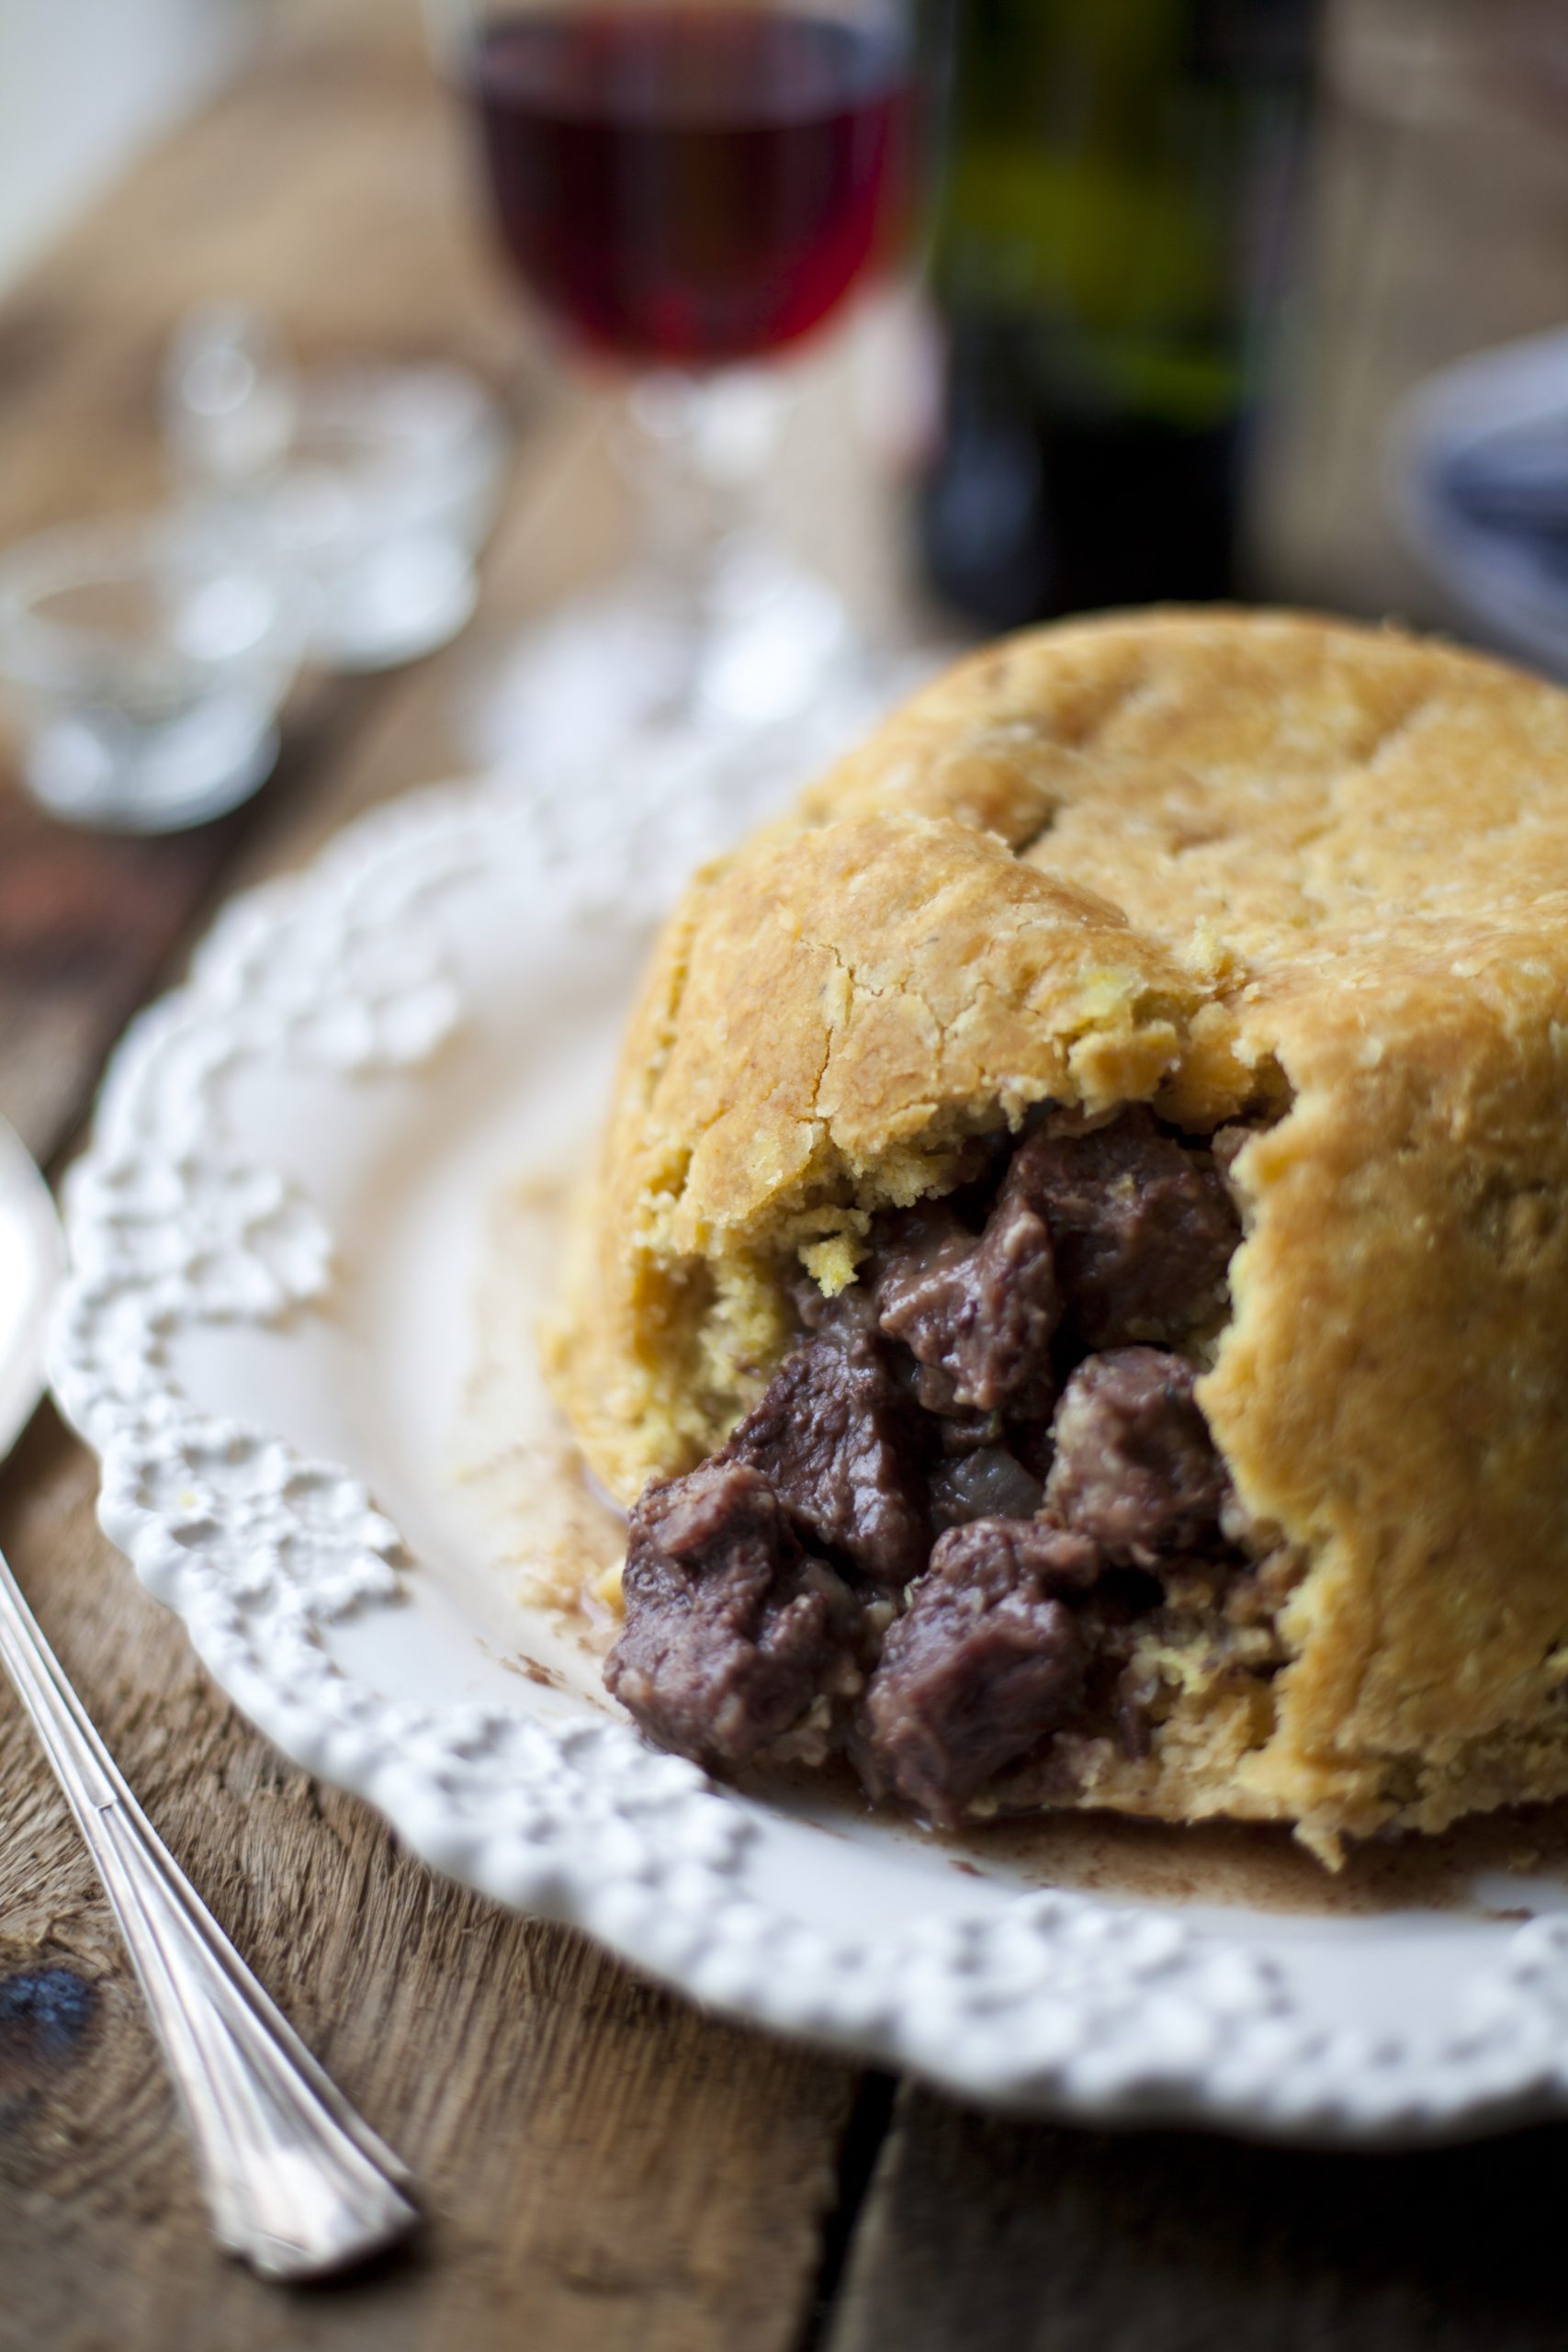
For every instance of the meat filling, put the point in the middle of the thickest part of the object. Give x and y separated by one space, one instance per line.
838 1442
977 1313
982 1466
988 1649
1135 1468
733 1629
1142 1224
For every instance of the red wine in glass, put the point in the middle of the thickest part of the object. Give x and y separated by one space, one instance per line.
688 186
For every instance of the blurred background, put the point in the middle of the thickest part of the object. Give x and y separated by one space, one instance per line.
84 85
1150 299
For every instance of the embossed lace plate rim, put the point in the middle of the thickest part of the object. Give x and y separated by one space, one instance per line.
1052 2003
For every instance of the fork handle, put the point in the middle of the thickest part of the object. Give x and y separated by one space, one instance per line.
297 2184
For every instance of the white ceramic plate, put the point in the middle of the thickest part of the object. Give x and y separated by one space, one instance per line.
278 1239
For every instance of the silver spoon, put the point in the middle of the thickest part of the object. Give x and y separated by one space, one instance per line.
296 2183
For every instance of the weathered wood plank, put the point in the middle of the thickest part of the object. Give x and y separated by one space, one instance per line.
1009 2237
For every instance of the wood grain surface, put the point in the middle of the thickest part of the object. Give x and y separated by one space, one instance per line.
605 2166
1006 2237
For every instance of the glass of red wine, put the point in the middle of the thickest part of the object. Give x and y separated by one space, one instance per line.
687 188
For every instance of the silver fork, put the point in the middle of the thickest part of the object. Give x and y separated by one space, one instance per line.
297 2184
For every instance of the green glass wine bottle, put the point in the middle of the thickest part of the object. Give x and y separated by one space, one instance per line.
1107 249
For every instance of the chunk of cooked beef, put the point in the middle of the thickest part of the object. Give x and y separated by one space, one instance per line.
989 1482
850 1309
1142 1226
1135 1468
732 1630
988 1661
838 1442
977 1313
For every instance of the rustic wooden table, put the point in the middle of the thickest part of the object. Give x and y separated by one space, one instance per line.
605 2166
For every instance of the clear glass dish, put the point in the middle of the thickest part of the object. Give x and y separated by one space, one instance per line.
378 484
146 660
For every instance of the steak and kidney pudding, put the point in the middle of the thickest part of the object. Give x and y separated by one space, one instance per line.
1076 1290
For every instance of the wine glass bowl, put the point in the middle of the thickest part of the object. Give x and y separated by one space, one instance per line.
693 186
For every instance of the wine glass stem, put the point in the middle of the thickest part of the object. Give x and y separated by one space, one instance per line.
695 451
